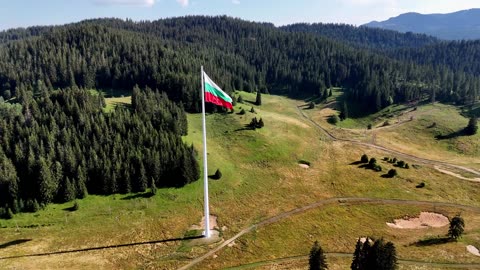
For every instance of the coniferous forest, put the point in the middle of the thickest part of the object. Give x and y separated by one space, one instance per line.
57 144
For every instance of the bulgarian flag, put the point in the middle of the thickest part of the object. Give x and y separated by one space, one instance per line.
214 94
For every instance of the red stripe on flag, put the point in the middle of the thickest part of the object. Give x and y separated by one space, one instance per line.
209 97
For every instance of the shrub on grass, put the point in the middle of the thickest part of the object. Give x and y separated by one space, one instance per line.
421 185
372 162
311 105
333 119
392 173
369 126
407 166
75 206
217 175
377 168
401 163
252 110
242 112
364 158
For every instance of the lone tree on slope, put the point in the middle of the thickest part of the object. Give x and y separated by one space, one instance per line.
258 101
317 260
457 226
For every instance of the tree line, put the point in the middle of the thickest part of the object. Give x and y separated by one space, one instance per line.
60 145
166 55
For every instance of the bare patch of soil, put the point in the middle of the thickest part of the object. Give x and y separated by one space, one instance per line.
425 220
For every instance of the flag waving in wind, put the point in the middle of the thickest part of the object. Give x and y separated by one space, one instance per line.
214 94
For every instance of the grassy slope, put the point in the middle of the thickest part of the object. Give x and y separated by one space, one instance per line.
261 178
414 133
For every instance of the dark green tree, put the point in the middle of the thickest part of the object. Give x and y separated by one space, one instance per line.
317 259
258 100
344 112
357 256
364 158
457 226
392 173
372 162
260 123
217 175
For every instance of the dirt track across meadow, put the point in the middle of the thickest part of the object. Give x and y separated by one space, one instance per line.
339 201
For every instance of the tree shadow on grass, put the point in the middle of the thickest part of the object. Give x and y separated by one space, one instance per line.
356 163
14 242
451 135
386 175
433 241
101 247
139 195
70 209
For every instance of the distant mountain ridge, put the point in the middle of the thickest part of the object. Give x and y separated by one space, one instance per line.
464 24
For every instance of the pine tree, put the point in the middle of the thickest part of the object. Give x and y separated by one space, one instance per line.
388 258
344 112
357 254
258 100
260 123
317 259
457 226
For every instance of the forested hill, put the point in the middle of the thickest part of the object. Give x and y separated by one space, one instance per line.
166 55
364 37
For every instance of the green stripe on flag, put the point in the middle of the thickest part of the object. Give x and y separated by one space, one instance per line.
217 92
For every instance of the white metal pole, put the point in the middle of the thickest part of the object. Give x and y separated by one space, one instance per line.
205 172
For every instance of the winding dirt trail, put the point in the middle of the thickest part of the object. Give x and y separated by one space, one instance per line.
338 201
391 151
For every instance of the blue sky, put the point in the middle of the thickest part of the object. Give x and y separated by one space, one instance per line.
23 13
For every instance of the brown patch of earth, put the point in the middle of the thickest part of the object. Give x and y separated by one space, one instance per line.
425 220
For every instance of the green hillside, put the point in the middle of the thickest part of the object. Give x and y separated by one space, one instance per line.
261 179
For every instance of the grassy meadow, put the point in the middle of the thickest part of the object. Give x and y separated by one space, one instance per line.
261 179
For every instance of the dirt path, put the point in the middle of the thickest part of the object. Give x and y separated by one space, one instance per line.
391 151
476 179
338 201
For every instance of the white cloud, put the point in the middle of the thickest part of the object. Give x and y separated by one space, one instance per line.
143 3
236 2
183 3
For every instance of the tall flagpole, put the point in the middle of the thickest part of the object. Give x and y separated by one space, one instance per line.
205 172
